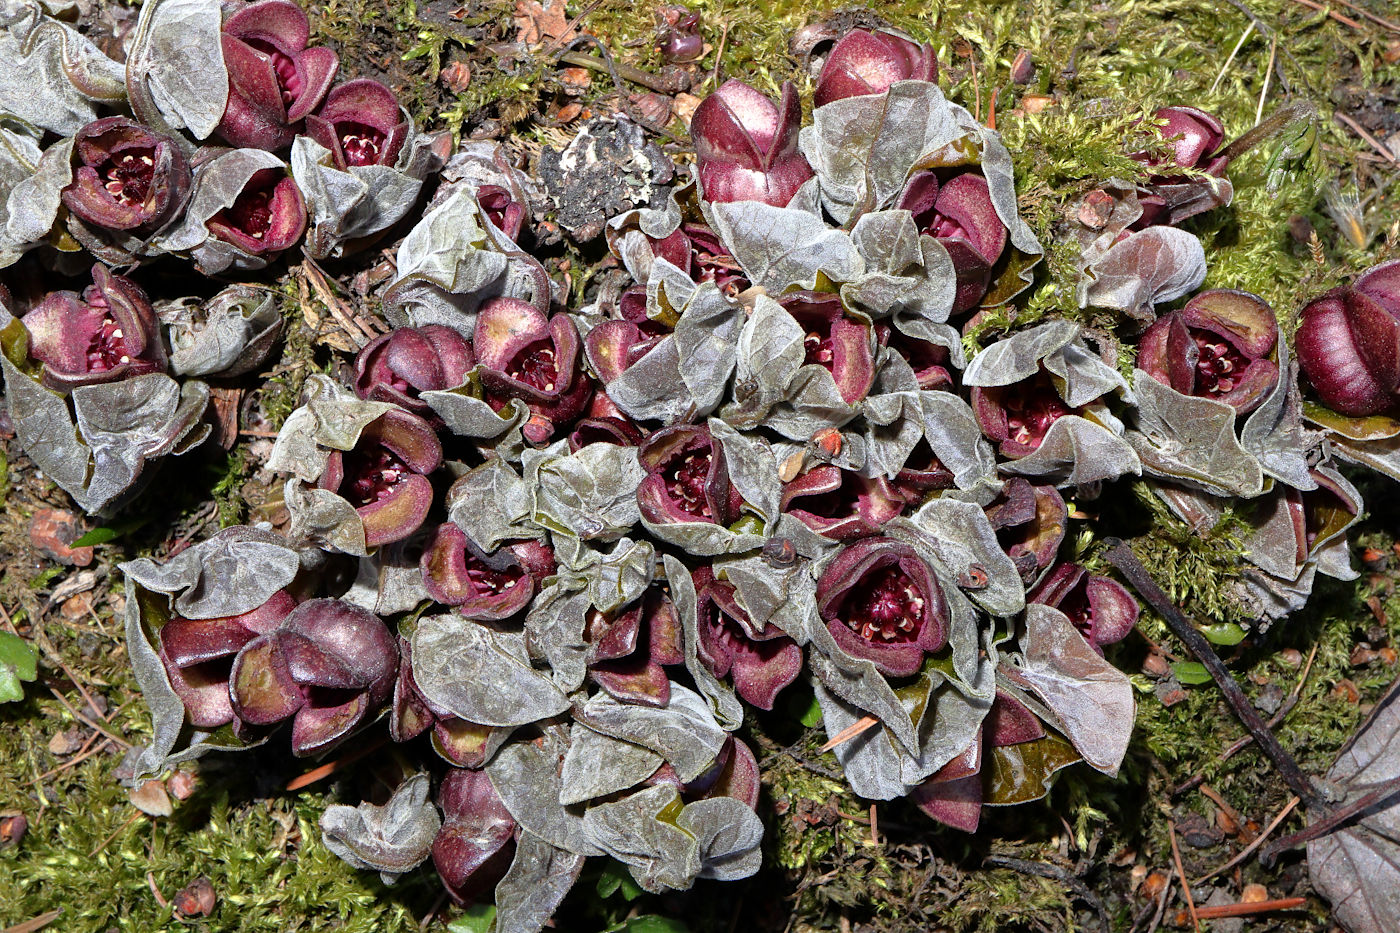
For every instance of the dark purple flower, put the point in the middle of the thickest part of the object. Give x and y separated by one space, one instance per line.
842 504
759 662
1216 347
198 656
463 744
268 216
1030 523
869 62
1100 607
680 37
483 586
958 213
734 774
274 80
385 477
628 651
327 665
396 366
881 602
361 123
687 478
127 178
834 340
746 147
930 361
477 841
1349 343
697 251
1017 417
1193 136
108 333
922 473
501 209
528 356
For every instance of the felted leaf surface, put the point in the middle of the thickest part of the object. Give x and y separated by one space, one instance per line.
32 204
1092 699
230 334
45 429
481 675
1274 431
508 518
1148 268
526 776
779 247
393 838
1191 440
1018 357
728 835
641 832
1357 866
555 625
950 427
612 578
960 534
684 731
330 417
597 765
217 185
175 70
1076 452
724 705
901 269
53 74
591 494
536 882
233 572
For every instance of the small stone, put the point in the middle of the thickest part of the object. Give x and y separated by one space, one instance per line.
66 742
1153 884
1156 665
182 784
569 113
13 826
1096 209
1035 103
1196 832
1392 52
1254 894
1290 657
1169 693
196 899
53 530
150 798
456 77
1022 68
1346 690
76 607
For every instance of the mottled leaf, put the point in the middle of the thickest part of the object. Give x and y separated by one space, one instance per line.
779 247
535 884
684 731
391 839
481 675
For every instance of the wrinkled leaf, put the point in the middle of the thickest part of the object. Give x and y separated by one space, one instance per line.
229 335
533 887
175 69
53 75
597 765
1148 268
391 839
684 731
481 675
591 494
526 776
779 247
1191 440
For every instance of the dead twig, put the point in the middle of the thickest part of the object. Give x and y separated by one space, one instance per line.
330 767
1054 873
35 923
1372 141
848 733
1378 20
1181 873
85 721
115 833
1332 821
1245 852
1250 910
1321 8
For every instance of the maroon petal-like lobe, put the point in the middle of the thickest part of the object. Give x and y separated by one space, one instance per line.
527 356
323 723
356 638
1167 353
759 664
746 147
397 366
1192 133
953 794
1382 284
687 478
409 716
1010 722
1349 348
834 341
484 587
255 116
261 685
881 602
474 847
384 476
1100 607
864 62
316 68
193 641
268 216
277 22
202 688
360 123
841 504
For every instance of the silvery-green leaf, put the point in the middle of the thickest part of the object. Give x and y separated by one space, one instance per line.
507 519
724 705
652 389
1077 452
126 424
702 539
965 543
857 683
19 155
1084 376
447 265
175 68
1329 550
728 835
468 415
330 417
359 201
1091 698
323 518
1001 186
1148 268
706 337
217 185
229 335
1274 431
53 75
1266 598
769 595
627 233
388 582
526 777
44 428
1191 440
1383 456
778 247
590 494
614 578
752 469
903 270
1272 543
555 627
863 148
539 877
233 572
811 403
684 731
869 761
893 422
659 853
1018 357
770 353
31 206
597 765
481 675
391 839
951 430
941 335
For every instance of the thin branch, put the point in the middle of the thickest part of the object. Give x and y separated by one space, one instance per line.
1245 853
1374 143
1122 557
1250 910
1329 823
1248 31
1344 20
1181 873
848 733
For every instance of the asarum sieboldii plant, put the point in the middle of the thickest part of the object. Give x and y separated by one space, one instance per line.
734 774
528 356
198 657
746 147
697 251
385 476
842 504
868 62
268 216
463 744
483 586
1349 343
680 35
687 479
1030 523
274 80
396 366
931 362
834 340
1193 136
628 650
1216 347
957 211
127 177
361 123
108 333
760 662
882 602
1100 607
326 666
1016 417
474 847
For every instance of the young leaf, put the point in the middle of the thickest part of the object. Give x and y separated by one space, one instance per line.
17 662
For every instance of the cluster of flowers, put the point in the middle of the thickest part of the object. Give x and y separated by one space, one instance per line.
770 456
